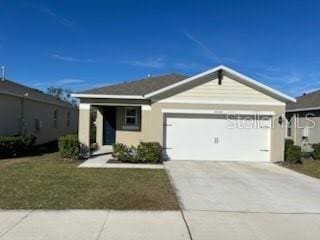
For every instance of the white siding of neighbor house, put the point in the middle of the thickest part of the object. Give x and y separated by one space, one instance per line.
230 91
313 132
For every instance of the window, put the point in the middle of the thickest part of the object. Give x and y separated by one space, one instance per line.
68 119
131 116
37 124
55 119
289 128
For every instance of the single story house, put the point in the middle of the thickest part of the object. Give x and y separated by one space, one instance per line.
26 110
303 120
217 115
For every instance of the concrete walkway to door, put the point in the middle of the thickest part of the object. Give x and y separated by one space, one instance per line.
101 161
229 200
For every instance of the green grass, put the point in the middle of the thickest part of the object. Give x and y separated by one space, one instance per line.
308 167
43 182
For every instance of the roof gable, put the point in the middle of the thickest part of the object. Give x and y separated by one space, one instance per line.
240 77
229 91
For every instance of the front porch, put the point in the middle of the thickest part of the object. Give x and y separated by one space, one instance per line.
102 125
103 150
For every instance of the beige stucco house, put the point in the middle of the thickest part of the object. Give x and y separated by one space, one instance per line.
217 115
25 110
303 117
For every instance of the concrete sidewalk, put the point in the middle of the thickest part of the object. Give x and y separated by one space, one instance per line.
208 225
155 225
92 225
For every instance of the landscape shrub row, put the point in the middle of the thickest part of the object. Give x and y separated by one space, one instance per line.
13 146
316 151
146 152
293 153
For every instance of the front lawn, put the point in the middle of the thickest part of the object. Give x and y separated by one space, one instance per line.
308 167
43 182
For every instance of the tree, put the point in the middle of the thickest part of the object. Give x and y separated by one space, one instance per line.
62 94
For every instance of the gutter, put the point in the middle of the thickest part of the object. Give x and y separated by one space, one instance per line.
83 95
303 109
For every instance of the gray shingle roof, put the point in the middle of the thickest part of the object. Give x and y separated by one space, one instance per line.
138 87
20 90
310 100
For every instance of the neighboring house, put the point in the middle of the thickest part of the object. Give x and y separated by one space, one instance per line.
303 120
25 110
192 117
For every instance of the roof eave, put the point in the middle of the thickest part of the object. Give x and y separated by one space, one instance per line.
303 109
83 95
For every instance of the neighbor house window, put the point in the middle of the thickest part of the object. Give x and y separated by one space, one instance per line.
55 119
37 124
289 128
68 119
305 132
131 117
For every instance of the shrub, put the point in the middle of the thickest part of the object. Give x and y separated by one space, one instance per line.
316 151
69 146
28 141
149 152
146 152
12 146
124 153
307 155
288 143
292 152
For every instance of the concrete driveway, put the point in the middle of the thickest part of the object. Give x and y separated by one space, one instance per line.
228 200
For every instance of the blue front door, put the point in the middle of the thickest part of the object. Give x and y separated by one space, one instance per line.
109 126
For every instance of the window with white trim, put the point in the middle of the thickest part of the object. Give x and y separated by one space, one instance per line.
289 127
131 117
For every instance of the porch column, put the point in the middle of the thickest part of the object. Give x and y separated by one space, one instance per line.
99 127
146 123
84 129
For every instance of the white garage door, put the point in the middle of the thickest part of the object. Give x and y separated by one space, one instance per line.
217 138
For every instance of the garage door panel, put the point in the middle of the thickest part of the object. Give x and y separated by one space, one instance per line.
216 139
185 139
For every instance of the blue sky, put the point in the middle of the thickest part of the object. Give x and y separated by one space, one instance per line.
84 44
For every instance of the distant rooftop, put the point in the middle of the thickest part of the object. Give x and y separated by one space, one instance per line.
13 88
309 100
